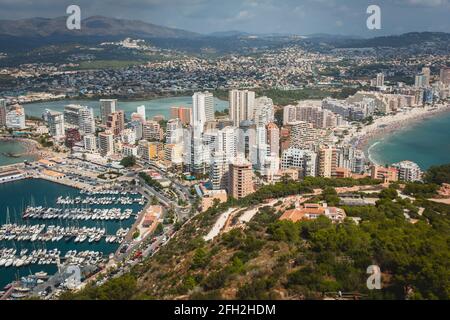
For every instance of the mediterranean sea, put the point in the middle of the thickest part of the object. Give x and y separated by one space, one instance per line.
426 142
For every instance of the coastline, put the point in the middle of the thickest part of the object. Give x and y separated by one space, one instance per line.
31 147
369 135
144 97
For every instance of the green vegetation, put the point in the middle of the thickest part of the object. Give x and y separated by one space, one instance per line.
151 182
223 113
107 64
438 174
128 161
417 189
285 97
159 229
43 140
273 259
121 288
109 175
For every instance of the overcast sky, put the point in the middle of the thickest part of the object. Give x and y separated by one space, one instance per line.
256 16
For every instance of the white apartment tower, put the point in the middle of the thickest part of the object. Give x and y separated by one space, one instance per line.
86 120
174 131
242 104
141 111
380 79
203 109
90 143
106 143
263 111
15 117
305 160
219 171
55 123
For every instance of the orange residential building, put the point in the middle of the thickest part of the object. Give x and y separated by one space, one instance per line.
240 182
311 211
182 113
342 173
382 173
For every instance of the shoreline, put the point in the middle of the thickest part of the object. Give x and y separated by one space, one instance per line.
370 135
147 97
31 148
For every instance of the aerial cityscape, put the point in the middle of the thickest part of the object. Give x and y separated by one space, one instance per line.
139 161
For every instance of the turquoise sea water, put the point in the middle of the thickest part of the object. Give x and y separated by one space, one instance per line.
426 142
11 147
153 107
15 196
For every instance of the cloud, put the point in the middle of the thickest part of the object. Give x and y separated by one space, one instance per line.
428 3
259 16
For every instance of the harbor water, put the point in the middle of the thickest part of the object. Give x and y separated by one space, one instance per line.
16 196
152 107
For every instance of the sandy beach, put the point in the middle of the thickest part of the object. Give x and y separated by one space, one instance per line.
32 148
387 124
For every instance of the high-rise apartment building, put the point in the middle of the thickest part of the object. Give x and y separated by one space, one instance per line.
304 160
86 121
116 122
15 117
445 75
107 106
408 171
174 131
380 80
182 113
385 174
427 73
141 111
128 136
226 142
90 143
106 143
273 139
219 171
242 103
263 112
327 161
2 112
81 117
152 131
420 81
240 180
55 123
203 109
72 114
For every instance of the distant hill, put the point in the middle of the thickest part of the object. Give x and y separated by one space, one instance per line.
403 40
231 33
93 26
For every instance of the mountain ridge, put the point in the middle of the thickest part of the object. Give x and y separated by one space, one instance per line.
91 26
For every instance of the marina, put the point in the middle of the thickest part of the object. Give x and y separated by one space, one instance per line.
46 227
44 213
52 233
